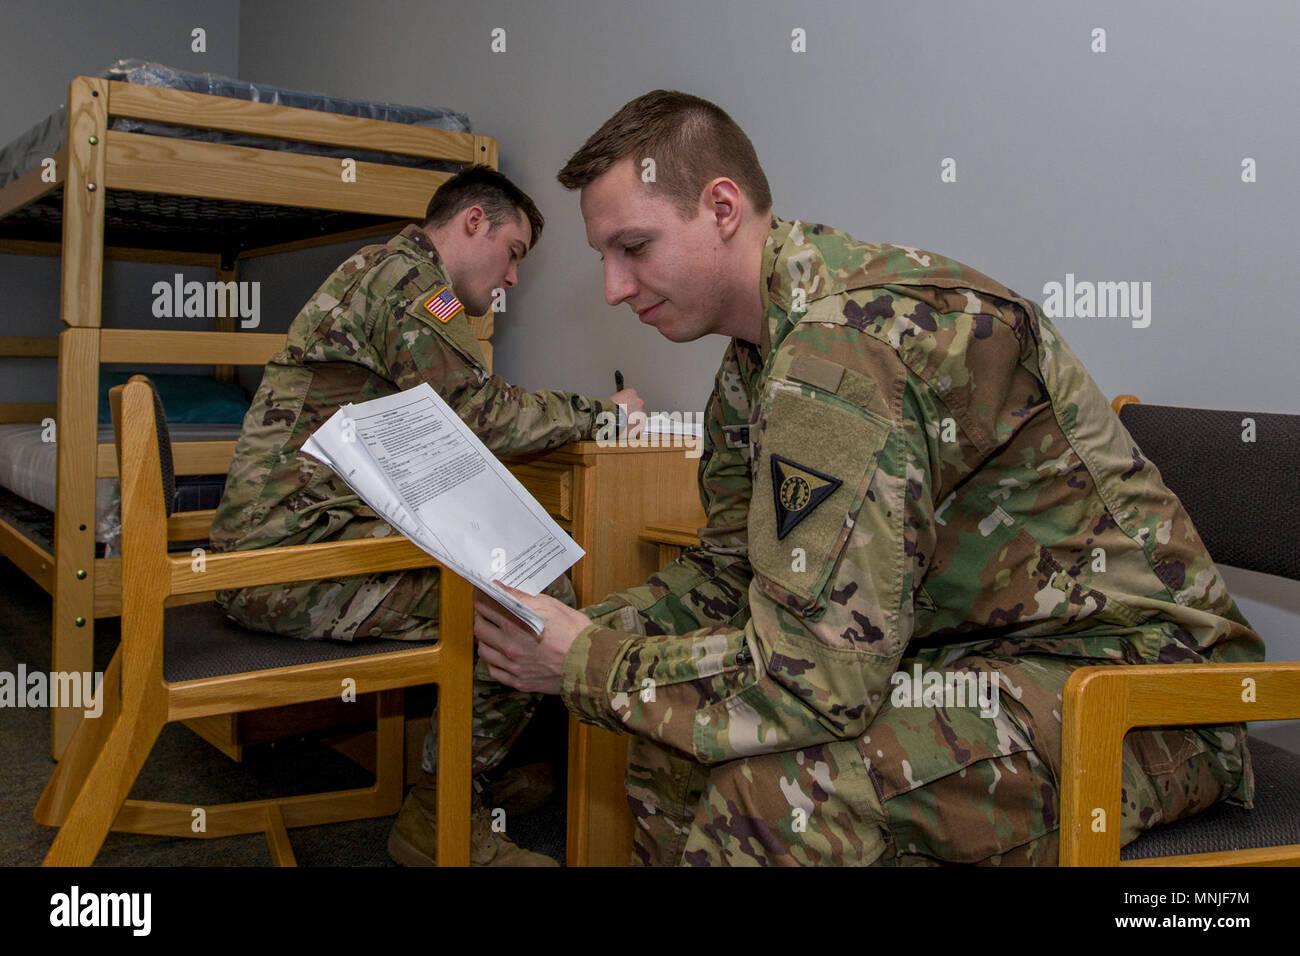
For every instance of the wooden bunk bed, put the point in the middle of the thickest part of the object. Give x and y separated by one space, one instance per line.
96 159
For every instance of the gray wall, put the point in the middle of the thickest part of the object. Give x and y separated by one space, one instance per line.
1116 166
1122 165
43 45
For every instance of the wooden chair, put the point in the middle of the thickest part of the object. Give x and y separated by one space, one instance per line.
1244 498
193 662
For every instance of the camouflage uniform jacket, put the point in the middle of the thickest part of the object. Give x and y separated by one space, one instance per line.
912 458
365 334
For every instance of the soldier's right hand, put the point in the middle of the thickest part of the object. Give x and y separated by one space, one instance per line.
633 410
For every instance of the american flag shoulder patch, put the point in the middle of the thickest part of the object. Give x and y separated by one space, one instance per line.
442 305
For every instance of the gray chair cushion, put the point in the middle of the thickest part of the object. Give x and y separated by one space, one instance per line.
200 641
1275 821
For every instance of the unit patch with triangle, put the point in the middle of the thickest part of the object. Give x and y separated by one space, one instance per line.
797 490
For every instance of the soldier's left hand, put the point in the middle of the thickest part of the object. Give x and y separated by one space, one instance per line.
514 655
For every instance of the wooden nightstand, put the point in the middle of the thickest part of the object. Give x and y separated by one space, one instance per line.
605 497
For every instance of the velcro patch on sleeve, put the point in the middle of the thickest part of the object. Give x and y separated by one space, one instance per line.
816 372
821 457
836 379
857 388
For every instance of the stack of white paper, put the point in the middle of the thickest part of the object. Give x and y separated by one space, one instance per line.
412 459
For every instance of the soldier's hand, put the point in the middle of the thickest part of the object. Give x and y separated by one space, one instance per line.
633 410
514 655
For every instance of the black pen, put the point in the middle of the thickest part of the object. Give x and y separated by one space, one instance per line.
622 415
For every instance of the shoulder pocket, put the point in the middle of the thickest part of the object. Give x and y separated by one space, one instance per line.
430 301
816 459
456 332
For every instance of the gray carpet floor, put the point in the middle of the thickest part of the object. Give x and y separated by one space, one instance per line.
185 768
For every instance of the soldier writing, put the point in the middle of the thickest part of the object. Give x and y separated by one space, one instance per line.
390 317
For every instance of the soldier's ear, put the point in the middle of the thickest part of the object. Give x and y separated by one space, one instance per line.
474 218
723 200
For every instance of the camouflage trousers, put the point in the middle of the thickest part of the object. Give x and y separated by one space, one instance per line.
925 785
401 605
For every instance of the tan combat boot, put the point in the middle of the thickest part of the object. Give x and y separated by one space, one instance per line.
413 841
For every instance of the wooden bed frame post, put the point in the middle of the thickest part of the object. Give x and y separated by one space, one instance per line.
485 151
227 271
80 309
96 158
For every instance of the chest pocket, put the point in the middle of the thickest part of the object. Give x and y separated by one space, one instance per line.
817 457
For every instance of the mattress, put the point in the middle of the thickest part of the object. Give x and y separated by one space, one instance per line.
49 135
134 218
28 468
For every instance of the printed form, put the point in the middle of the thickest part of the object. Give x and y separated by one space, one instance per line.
412 459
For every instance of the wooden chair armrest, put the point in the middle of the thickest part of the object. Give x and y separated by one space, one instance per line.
304 562
1119 401
1102 703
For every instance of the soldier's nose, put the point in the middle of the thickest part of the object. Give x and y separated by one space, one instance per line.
619 286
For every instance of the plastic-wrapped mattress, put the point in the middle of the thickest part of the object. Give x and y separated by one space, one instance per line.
49 135
152 220
28 468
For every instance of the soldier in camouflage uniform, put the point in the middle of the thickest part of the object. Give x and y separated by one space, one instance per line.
904 464
389 318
